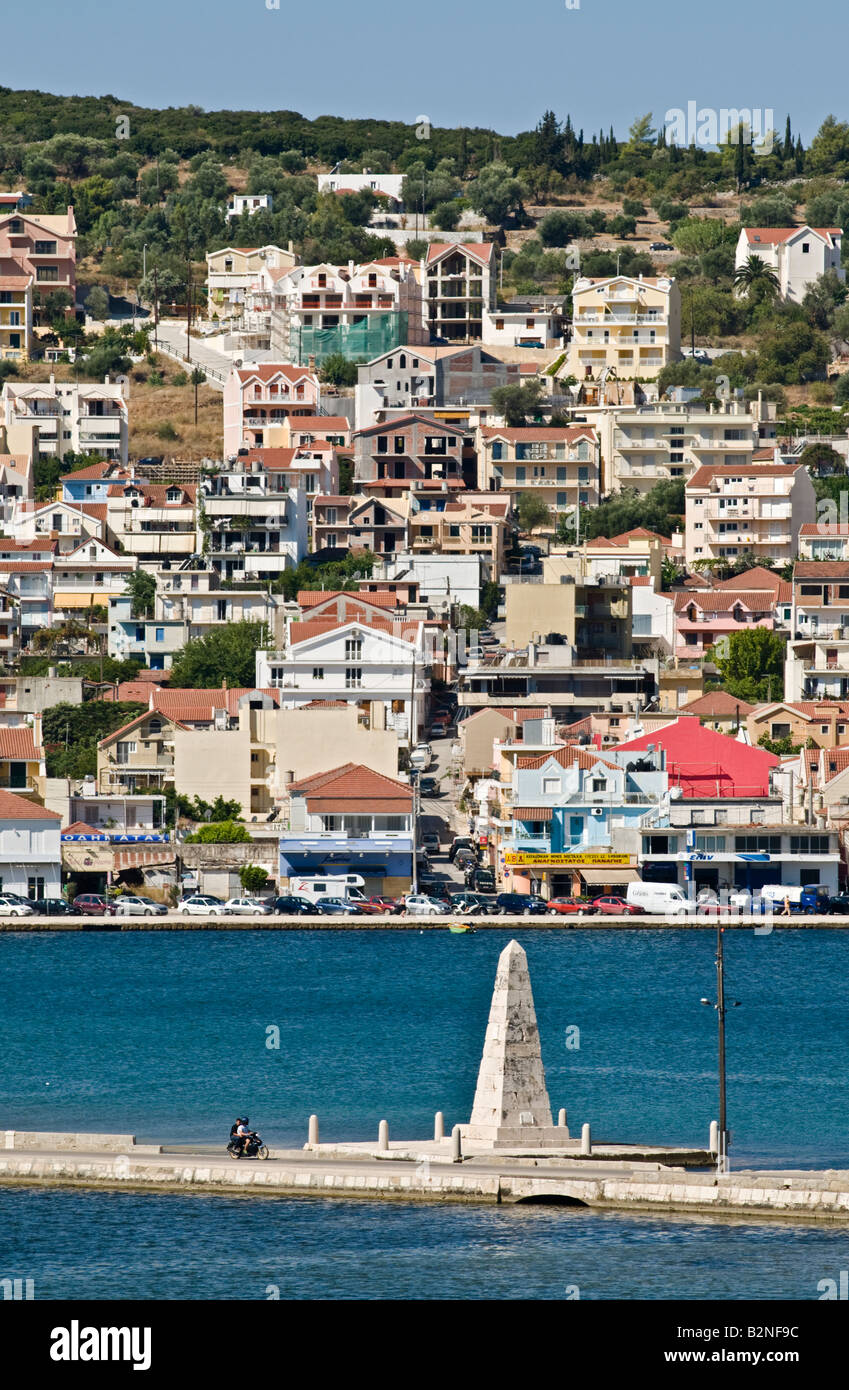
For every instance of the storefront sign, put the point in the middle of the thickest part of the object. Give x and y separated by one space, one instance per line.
564 861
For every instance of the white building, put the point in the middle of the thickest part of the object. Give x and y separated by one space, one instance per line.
732 509
377 665
798 255
249 202
534 323
54 418
443 579
30 851
386 185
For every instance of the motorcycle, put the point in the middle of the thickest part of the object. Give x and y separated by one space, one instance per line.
252 1148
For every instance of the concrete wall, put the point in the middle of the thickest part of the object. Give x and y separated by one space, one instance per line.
535 610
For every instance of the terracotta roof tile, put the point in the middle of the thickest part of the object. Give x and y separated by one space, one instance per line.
14 808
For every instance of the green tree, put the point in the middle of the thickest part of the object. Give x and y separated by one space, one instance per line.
141 587
516 403
224 832
97 303
829 152
72 732
532 511
253 878
821 460
227 654
496 193
338 370
753 669
755 274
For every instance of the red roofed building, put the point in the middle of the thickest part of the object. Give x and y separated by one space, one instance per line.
30 851
706 764
258 399
459 284
797 255
735 509
411 449
350 820
560 464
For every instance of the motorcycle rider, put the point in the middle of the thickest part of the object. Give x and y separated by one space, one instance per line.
243 1134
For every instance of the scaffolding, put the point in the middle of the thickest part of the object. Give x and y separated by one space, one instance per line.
370 338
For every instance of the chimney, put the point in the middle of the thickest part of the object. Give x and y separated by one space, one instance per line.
291 247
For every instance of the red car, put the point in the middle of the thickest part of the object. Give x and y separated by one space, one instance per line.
379 905
92 903
616 906
565 906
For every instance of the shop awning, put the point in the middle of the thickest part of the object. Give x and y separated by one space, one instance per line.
612 874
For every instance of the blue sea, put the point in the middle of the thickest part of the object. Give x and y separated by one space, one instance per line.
169 1035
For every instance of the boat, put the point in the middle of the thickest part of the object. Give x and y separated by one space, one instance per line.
459 927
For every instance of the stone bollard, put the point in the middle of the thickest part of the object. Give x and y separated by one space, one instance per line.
10 1138
383 1136
561 1123
456 1145
313 1134
713 1143
439 1125
586 1140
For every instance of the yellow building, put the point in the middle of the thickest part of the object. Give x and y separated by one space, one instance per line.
630 327
15 316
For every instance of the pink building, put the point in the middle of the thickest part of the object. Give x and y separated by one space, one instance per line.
43 247
702 616
258 400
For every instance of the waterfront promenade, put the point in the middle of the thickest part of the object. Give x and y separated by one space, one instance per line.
413 1173
174 921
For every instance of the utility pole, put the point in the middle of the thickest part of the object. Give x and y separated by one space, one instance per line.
155 309
722 1154
188 310
415 874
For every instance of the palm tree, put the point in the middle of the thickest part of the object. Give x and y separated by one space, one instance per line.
755 274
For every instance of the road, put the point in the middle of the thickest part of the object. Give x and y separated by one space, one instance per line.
171 337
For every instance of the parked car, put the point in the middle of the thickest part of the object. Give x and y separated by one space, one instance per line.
521 904
430 841
480 879
248 906
10 906
616 906
51 907
202 905
292 906
660 246
428 786
838 904
134 905
380 904
571 907
92 903
341 907
460 842
421 905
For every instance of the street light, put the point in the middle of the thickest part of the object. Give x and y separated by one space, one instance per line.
722 1165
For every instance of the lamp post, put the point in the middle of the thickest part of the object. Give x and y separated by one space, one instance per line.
722 1164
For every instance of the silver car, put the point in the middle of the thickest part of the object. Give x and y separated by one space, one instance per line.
133 905
248 907
420 905
202 905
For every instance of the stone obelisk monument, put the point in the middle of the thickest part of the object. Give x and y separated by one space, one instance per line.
512 1108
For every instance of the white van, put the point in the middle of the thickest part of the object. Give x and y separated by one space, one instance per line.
421 757
329 886
663 898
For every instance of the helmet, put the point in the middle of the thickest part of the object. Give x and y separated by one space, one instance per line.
246 1121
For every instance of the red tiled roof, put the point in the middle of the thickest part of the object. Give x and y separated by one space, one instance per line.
773 236
354 787
821 569
586 758
23 547
704 475
719 704
79 827
760 601
267 371
532 812
320 423
18 743
14 808
315 627
824 528
107 469
482 251
527 434
313 598
759 577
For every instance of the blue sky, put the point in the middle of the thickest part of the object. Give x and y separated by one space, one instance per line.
496 64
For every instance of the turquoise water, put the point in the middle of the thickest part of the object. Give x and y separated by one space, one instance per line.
164 1035
81 1245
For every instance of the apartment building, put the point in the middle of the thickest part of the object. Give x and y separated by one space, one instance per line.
591 613
382 185
824 723
16 484
258 399
739 843
350 820
797 255
551 674
30 854
85 578
232 271
559 464
377 665
52 418
43 246
255 511
531 323
704 617
642 445
459 285
357 310
264 750
192 595
630 327
154 520
15 314
817 665
361 522
416 377
468 523
391 457
732 509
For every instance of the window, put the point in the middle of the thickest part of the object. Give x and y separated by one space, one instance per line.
809 844
45 248
124 750
497 449
806 247
382 444
47 272
318 673
710 843
499 325
399 443
353 677
599 784
551 786
521 474
758 844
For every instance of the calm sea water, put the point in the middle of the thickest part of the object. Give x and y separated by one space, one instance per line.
164 1035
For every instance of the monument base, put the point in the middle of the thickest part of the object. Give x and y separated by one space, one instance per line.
518 1137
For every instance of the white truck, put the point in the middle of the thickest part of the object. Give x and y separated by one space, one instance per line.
314 887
